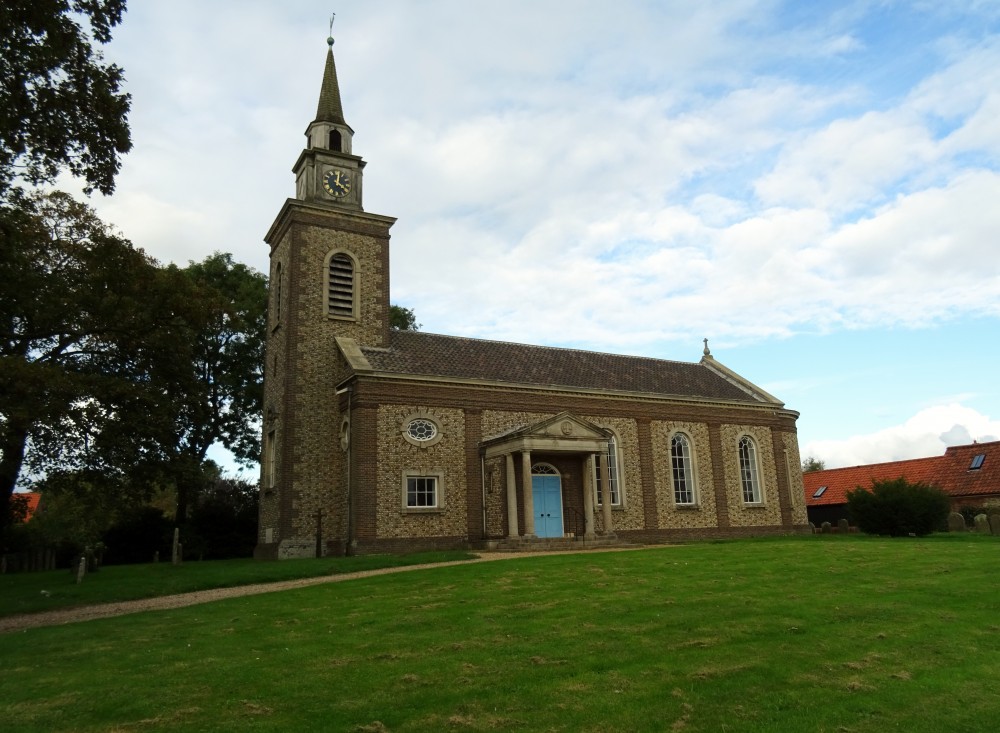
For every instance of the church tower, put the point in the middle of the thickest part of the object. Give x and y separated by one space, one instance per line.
329 278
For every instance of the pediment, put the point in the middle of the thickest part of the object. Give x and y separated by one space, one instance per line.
564 432
566 425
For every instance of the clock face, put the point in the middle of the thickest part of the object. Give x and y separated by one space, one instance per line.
337 182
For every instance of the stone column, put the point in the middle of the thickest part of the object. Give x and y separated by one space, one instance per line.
606 495
588 497
511 498
529 500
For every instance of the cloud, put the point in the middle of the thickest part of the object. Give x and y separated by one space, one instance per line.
928 433
608 180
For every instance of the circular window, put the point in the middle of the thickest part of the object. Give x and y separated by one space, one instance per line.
421 430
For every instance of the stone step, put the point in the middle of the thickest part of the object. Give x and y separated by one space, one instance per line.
547 544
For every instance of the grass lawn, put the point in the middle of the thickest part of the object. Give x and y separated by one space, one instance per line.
33 592
830 633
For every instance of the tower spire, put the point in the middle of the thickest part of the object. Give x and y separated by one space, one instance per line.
330 108
327 170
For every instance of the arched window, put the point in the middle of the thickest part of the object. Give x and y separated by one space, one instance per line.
611 459
544 469
680 463
340 286
335 141
748 470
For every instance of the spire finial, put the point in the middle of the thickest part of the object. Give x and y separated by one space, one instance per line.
329 108
707 352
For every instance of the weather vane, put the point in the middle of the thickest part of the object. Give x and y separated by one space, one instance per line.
329 39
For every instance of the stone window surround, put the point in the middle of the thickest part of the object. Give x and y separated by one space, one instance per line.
619 478
438 475
421 414
756 481
270 459
695 503
276 279
355 284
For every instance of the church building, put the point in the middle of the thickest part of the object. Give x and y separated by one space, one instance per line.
379 440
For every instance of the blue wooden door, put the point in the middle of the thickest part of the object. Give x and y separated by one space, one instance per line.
547 496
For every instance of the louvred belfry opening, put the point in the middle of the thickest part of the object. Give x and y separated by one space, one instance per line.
340 288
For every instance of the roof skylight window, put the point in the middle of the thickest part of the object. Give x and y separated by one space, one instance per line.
819 492
977 462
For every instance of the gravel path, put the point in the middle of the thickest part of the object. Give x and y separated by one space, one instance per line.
25 621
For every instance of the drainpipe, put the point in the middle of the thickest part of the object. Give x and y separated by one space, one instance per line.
349 546
482 480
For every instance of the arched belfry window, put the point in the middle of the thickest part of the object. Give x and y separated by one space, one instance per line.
341 285
336 141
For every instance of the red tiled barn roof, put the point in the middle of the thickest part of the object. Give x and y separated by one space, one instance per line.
950 473
841 480
32 498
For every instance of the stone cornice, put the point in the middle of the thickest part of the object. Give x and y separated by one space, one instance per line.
774 407
310 213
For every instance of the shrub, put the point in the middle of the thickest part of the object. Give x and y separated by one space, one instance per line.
139 534
224 522
899 508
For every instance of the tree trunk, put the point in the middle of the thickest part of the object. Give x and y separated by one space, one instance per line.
11 459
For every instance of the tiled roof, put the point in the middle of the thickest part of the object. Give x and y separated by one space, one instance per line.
839 481
31 498
425 354
958 479
950 472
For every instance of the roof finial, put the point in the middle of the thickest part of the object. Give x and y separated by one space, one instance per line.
707 352
329 39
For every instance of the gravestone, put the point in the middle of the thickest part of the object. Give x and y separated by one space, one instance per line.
956 522
843 526
982 524
826 528
995 523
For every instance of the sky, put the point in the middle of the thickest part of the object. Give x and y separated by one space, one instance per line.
813 186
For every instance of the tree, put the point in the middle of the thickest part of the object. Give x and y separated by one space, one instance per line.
61 107
224 521
213 388
811 464
76 302
898 508
402 319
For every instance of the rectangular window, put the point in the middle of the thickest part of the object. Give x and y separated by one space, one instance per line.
269 460
977 462
421 492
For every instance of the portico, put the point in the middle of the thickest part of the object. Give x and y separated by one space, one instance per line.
563 435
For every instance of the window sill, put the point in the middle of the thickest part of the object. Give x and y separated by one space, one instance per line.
423 510
755 505
688 507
